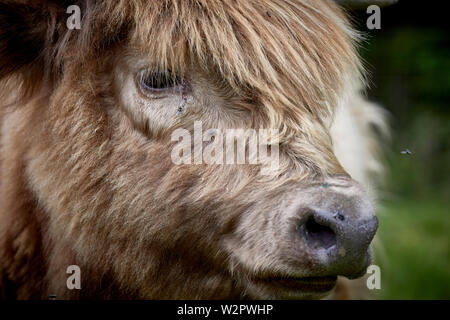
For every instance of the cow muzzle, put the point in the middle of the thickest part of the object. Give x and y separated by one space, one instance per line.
338 239
313 235
333 224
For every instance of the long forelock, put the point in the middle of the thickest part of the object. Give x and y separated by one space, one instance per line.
297 58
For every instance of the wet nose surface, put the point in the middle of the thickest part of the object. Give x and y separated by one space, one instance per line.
340 239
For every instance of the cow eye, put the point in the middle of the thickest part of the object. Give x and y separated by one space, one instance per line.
154 81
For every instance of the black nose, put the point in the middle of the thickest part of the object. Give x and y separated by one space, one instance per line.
339 240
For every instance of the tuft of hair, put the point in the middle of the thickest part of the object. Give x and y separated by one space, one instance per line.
295 64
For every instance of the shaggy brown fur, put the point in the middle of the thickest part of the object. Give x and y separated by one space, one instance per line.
79 184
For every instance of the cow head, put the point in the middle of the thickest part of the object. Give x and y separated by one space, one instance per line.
98 106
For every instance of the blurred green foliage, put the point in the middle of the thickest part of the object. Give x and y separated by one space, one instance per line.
410 72
414 254
411 75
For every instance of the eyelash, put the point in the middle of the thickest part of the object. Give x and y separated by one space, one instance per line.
155 81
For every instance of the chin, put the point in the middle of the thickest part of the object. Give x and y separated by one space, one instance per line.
308 288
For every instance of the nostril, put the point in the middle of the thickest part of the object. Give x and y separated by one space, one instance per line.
319 236
338 215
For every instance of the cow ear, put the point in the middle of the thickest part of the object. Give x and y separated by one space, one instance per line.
27 34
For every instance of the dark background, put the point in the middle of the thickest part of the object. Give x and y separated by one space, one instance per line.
409 63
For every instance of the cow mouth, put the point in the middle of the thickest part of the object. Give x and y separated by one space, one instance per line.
291 287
